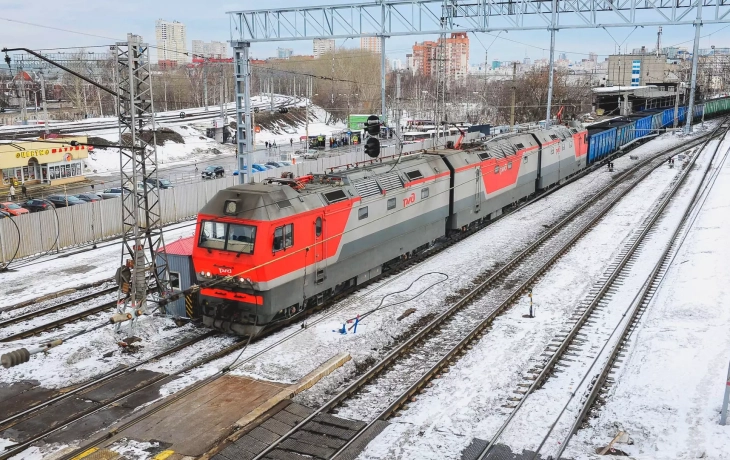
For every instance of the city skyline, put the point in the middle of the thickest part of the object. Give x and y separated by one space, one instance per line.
212 24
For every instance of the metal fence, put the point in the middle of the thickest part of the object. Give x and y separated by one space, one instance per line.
50 231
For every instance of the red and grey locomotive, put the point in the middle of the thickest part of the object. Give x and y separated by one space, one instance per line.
281 246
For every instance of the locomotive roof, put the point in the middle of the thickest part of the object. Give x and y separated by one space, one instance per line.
278 199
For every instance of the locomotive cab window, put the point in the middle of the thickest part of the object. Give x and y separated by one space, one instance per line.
241 238
227 237
283 237
362 213
213 235
424 193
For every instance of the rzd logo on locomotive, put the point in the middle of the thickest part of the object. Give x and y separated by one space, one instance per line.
225 270
409 200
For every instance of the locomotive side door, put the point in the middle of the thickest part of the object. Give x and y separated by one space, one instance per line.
478 192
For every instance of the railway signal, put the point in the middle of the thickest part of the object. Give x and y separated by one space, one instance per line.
372 147
372 125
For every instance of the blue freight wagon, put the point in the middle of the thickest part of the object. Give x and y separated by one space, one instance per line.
625 133
644 126
601 143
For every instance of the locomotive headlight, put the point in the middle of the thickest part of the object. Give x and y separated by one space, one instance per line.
207 274
230 207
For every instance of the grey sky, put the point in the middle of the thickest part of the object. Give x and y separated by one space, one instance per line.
105 20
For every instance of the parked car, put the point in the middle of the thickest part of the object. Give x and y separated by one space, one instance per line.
213 172
61 201
286 163
4 214
259 167
12 208
88 197
275 164
160 183
268 166
312 154
36 205
305 152
114 192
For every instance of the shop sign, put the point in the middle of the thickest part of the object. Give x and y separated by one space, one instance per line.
32 153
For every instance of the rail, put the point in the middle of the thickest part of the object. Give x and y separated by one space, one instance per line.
642 300
406 347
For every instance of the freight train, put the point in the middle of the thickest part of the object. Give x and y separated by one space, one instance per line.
267 252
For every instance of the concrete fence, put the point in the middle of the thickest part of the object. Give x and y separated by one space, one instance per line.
51 231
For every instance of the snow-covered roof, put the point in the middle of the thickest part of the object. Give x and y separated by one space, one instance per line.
611 89
181 247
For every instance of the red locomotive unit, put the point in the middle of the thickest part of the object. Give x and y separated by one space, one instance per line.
279 247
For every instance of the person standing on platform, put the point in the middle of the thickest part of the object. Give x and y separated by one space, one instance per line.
12 192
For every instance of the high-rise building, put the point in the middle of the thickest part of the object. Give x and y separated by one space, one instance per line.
371 44
209 50
322 46
453 50
592 57
172 46
284 53
563 57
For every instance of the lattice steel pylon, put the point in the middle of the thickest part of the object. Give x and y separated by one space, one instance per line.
144 271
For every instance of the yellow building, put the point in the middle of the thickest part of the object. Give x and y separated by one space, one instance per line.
50 161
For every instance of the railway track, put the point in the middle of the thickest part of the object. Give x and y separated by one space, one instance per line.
400 269
68 128
54 295
594 317
127 387
410 366
54 308
59 322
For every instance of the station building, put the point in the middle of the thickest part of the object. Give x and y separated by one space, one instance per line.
52 161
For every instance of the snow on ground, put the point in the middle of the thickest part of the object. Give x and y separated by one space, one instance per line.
542 408
97 352
47 318
316 128
670 388
296 357
439 425
311 347
71 269
196 147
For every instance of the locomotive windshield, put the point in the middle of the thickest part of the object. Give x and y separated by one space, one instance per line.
227 237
